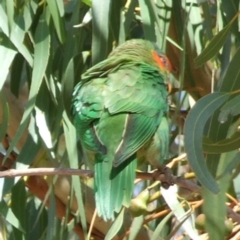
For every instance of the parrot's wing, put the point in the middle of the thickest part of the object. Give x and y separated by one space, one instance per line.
135 90
140 93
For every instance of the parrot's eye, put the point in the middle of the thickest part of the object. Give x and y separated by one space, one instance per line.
164 61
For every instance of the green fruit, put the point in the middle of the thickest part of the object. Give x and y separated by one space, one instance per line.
138 205
228 226
200 222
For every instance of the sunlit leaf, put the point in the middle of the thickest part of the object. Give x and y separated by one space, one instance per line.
214 204
184 217
115 227
9 216
147 17
4 116
41 55
71 140
7 54
100 44
135 227
215 45
57 19
10 12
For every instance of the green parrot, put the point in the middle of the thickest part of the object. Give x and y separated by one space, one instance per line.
120 110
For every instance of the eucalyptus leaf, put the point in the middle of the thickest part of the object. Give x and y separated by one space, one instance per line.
135 227
115 227
222 146
215 44
232 107
100 16
194 126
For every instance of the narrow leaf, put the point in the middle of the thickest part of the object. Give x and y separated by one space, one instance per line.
232 108
170 197
4 116
115 227
147 19
9 216
215 45
226 145
71 140
7 54
41 56
51 216
135 227
100 18
10 12
18 199
214 205
4 21
159 228
57 19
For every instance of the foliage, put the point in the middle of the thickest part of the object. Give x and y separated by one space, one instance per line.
46 45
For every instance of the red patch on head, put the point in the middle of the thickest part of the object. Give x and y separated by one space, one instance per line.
162 61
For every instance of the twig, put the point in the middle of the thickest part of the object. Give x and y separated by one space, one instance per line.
45 171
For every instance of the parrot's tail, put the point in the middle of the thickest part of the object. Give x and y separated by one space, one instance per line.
113 186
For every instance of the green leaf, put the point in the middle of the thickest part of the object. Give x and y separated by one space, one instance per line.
4 21
57 19
41 56
4 116
100 21
115 227
232 107
147 17
183 216
232 164
7 54
71 140
128 17
160 226
51 215
17 74
18 202
60 5
230 82
9 216
135 227
10 12
44 131
28 152
214 205
68 85
222 146
215 45
194 126
17 36
35 225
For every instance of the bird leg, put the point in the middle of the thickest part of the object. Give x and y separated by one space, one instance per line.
164 175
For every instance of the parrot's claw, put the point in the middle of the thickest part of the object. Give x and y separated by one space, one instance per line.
165 176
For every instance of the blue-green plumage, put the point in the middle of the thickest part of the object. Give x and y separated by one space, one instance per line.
119 111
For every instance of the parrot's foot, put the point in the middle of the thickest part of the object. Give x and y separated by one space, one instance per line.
165 176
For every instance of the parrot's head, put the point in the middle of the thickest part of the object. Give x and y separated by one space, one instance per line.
162 60
143 51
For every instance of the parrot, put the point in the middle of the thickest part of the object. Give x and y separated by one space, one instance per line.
119 110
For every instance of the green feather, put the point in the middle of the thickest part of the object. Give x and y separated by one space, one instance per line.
119 111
